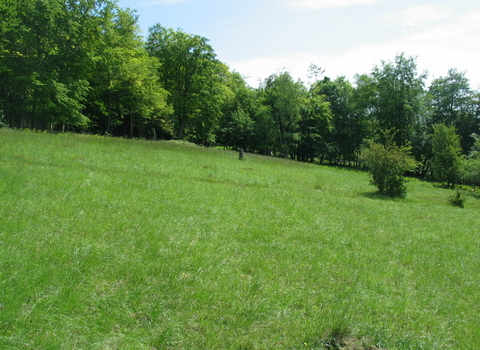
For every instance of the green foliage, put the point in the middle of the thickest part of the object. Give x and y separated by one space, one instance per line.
470 171
2 124
450 97
457 199
126 95
446 162
387 164
77 64
398 97
43 60
315 127
348 127
453 102
265 130
284 96
193 77
237 127
470 166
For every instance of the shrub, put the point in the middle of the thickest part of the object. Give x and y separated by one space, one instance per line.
446 162
457 199
387 164
470 166
470 171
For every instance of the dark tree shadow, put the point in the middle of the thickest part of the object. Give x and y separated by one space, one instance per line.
380 196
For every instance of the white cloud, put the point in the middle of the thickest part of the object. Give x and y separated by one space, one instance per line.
156 2
450 45
420 16
257 70
321 4
438 48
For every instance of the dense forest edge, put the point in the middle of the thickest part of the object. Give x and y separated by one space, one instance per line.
83 66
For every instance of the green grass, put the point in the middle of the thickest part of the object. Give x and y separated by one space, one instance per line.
119 244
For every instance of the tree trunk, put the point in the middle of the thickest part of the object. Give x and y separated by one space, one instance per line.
180 130
34 110
131 124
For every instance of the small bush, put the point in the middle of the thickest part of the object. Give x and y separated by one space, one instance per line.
457 199
387 165
447 160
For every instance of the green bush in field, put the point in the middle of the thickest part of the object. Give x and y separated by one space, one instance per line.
447 160
470 166
387 164
457 199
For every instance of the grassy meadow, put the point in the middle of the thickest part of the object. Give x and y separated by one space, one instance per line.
126 244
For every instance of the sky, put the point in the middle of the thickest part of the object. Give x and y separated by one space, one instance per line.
258 38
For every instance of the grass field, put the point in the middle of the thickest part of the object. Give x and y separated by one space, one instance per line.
121 244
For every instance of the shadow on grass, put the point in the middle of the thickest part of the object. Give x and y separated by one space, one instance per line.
469 190
342 339
380 196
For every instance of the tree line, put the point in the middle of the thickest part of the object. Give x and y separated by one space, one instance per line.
83 66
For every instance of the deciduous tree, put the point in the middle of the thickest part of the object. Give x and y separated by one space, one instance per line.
284 96
446 154
315 127
398 97
190 73
453 103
